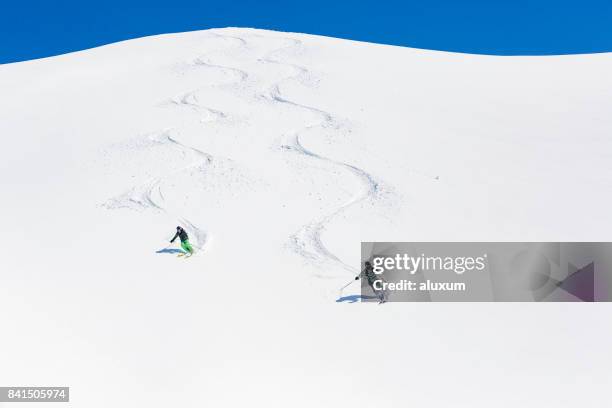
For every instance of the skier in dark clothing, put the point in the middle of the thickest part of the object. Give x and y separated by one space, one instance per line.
182 234
371 277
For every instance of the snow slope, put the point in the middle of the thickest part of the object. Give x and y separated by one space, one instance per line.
280 153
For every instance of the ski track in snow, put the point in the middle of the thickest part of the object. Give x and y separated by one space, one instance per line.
307 240
190 100
149 195
240 76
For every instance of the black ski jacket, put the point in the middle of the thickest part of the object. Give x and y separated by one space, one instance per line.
369 274
182 234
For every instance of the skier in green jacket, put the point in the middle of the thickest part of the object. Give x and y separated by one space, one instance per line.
182 234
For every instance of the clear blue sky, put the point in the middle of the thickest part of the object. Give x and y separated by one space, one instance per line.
33 29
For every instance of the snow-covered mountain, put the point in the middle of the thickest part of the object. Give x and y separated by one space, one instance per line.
280 153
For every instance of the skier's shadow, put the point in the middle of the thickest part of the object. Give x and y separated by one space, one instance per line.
354 298
170 251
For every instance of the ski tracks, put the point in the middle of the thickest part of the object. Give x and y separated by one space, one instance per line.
149 195
307 241
190 101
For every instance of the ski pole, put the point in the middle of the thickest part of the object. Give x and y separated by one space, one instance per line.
345 286
168 245
351 281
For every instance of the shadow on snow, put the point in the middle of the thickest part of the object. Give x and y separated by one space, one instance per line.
170 251
354 298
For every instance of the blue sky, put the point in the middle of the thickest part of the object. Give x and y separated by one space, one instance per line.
33 29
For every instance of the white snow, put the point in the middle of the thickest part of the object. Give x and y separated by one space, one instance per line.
280 153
